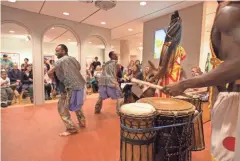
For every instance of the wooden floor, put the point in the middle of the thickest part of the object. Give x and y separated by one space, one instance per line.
31 134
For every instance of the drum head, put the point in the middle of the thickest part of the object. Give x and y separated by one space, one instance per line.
138 109
169 106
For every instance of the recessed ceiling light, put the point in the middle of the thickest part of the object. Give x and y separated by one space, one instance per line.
11 31
143 3
66 13
12 1
69 39
53 28
103 23
130 29
89 42
140 43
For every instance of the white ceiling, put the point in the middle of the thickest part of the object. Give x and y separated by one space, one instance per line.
126 14
55 35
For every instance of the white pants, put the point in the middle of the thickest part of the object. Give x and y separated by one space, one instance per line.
226 127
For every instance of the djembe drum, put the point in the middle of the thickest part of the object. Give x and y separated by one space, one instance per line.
173 142
137 145
198 143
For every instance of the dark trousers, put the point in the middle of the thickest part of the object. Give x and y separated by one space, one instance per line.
48 89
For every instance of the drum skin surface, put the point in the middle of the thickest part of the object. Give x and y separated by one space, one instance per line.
137 145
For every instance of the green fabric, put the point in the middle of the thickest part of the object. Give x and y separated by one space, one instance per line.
208 65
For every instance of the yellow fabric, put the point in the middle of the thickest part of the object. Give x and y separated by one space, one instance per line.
213 158
174 70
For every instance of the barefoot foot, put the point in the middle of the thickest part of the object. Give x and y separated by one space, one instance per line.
67 133
82 123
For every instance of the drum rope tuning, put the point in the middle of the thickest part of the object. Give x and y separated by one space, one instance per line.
159 127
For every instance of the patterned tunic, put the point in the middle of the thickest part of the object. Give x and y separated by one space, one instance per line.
108 77
67 70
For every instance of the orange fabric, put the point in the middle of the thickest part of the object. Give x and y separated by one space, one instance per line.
174 72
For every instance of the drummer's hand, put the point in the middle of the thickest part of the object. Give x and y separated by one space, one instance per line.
174 89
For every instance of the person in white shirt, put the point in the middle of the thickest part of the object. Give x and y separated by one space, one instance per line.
47 85
6 91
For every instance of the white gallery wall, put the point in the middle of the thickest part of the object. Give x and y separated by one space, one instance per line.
37 25
208 19
16 45
191 36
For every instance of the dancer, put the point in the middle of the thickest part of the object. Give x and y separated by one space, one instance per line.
225 120
71 85
108 84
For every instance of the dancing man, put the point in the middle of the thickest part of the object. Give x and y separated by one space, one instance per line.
108 84
225 45
71 85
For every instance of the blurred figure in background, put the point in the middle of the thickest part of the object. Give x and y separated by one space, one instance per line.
6 91
47 85
94 65
28 81
46 64
6 63
25 64
15 76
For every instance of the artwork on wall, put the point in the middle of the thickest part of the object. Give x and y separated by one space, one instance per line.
14 57
48 57
158 43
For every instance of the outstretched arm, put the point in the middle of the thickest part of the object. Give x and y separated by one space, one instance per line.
229 70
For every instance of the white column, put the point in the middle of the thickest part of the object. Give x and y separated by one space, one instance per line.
124 52
38 72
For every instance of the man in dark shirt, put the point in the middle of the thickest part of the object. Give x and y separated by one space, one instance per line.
15 76
94 65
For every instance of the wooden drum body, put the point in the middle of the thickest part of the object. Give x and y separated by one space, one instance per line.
198 142
173 142
137 145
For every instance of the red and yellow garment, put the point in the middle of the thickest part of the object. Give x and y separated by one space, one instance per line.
174 71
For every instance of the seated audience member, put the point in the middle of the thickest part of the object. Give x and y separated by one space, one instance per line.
146 73
120 75
51 63
46 64
202 92
183 75
6 91
47 85
88 78
25 64
22 68
137 62
15 76
131 64
6 63
95 78
27 81
137 72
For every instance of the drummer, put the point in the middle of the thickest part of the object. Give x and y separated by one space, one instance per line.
225 145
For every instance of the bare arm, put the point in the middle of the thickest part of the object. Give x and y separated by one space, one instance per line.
226 72
50 72
228 23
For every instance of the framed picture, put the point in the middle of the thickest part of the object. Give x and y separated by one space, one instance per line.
48 57
14 57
